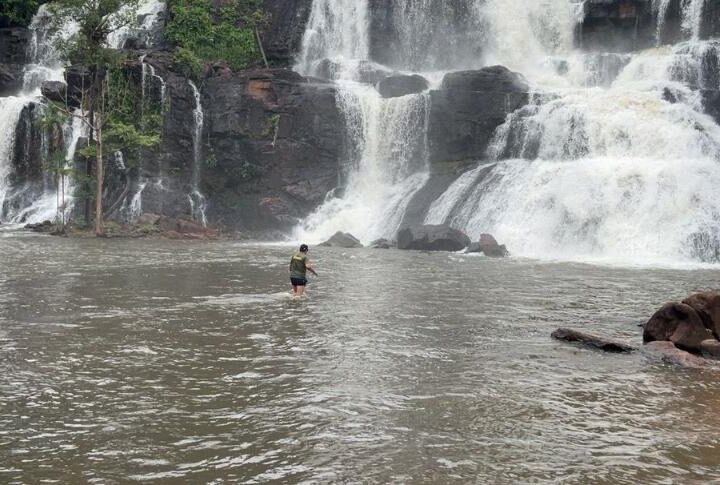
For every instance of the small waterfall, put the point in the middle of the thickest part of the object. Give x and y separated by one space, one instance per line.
148 74
198 203
148 18
691 12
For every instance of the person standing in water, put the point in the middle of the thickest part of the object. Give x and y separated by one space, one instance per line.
299 266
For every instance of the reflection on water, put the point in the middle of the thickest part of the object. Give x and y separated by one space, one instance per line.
187 361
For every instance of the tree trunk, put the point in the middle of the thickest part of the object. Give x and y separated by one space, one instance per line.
99 180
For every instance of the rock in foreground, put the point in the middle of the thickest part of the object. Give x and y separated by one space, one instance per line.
677 323
591 340
489 246
432 238
342 240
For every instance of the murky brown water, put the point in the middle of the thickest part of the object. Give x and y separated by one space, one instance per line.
186 362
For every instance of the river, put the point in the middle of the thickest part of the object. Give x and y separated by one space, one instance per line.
176 361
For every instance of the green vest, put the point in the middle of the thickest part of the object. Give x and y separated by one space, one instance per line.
298 266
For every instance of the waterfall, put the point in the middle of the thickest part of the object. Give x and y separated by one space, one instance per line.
148 17
691 12
198 203
386 138
622 172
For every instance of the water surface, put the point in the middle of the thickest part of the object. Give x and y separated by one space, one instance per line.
171 361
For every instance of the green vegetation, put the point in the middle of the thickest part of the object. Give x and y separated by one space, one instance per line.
18 12
206 34
109 103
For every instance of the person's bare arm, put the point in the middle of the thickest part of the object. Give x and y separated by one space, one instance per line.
311 269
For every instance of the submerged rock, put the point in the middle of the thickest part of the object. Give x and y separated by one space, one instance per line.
432 238
591 340
402 85
342 240
675 356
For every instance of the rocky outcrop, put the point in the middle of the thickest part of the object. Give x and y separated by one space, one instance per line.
432 238
54 91
592 340
282 35
707 306
468 108
276 142
402 85
617 25
13 53
342 240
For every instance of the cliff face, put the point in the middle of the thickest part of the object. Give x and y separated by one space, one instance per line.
13 49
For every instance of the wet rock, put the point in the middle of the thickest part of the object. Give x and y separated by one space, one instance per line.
489 246
14 45
675 356
710 347
678 323
342 240
54 90
432 238
283 32
43 227
467 110
402 85
591 340
148 219
617 25
383 244
498 79
11 79
707 306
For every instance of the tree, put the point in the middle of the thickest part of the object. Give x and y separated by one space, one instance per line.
103 107
18 12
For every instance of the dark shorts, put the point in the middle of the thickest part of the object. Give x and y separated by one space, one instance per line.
298 281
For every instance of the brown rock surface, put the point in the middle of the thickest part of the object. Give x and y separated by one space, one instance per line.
678 323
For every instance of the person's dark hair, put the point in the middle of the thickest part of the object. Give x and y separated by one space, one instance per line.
303 248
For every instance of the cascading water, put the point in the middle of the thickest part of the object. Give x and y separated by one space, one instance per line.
198 203
148 17
387 138
612 159
623 173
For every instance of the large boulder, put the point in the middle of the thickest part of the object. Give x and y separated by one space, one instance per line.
54 90
432 238
342 240
467 110
678 323
707 306
402 85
